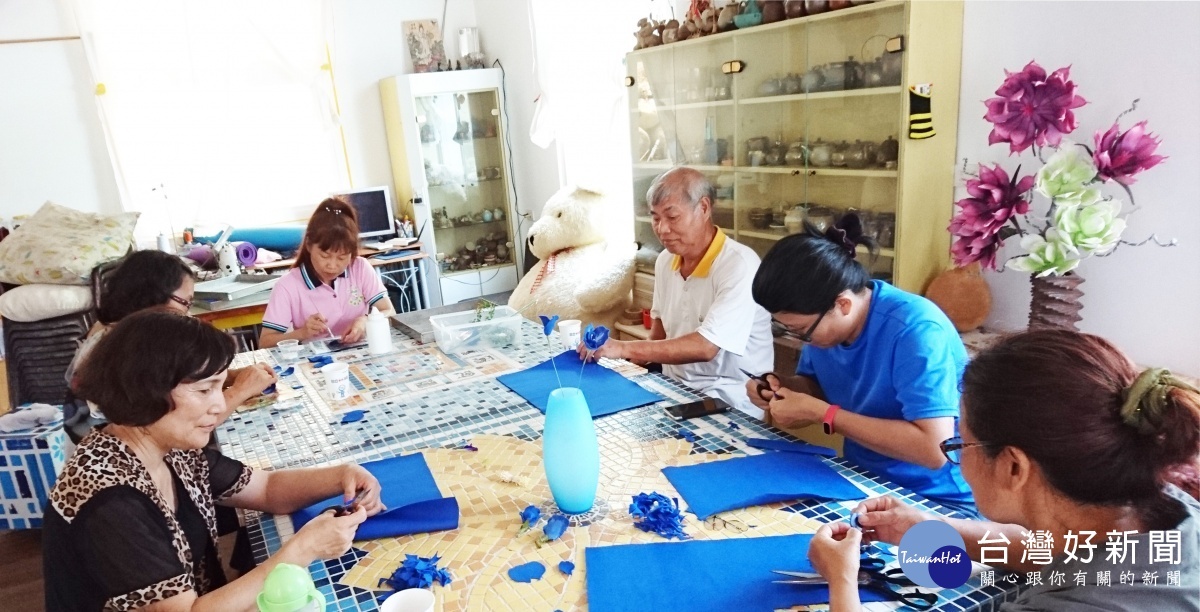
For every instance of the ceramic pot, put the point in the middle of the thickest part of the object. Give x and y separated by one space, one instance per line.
770 87
820 154
797 154
835 5
792 83
794 221
889 150
820 217
891 65
963 295
777 156
794 8
813 7
725 19
812 80
760 218
772 11
873 74
856 156
837 157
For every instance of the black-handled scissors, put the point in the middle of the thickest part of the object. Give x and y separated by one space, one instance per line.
348 508
764 384
873 576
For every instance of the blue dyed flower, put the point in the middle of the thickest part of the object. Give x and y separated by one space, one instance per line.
555 527
595 337
548 323
417 573
566 567
656 513
529 516
686 434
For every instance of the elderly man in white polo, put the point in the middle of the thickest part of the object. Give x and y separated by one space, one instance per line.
706 324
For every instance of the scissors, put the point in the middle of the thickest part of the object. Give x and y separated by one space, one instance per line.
348 508
764 384
872 576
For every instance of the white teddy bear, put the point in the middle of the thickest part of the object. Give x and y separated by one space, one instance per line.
581 275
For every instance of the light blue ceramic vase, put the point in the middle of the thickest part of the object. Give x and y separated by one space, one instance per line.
570 452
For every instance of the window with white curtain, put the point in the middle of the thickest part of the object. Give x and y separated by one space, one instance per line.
216 111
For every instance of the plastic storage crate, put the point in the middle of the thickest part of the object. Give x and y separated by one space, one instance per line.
30 461
464 331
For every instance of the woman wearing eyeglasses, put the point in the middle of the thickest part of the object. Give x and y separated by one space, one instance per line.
148 279
879 366
1062 434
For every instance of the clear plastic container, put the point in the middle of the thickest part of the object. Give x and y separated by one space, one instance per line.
471 330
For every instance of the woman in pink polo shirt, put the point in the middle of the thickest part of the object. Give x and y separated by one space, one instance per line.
330 289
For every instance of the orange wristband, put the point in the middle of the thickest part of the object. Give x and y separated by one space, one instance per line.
827 422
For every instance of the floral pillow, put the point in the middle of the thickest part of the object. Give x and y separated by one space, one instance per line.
60 246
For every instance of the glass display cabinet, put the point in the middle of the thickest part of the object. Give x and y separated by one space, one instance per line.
445 135
807 119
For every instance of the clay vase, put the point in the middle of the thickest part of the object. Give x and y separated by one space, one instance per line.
963 295
772 11
1055 302
794 8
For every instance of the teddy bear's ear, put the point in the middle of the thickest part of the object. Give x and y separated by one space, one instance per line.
594 190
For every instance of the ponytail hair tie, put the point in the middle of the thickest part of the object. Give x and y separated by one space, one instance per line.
1147 398
846 233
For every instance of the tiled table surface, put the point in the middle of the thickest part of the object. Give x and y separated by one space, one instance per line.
304 432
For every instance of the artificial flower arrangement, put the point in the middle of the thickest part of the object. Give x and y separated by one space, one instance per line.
1035 111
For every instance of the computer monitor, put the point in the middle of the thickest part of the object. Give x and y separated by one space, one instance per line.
374 207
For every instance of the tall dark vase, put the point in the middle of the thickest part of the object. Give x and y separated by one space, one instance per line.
1055 303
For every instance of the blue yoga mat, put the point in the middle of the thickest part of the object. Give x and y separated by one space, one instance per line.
605 390
415 505
717 486
277 238
702 576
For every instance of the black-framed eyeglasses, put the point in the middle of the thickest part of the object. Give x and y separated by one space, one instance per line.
182 302
783 330
952 448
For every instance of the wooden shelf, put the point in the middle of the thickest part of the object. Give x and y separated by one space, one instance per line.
687 106
825 95
637 331
811 171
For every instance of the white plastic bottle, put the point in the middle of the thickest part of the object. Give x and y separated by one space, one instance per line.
379 333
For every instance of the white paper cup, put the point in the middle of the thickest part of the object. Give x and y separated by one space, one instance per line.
569 332
409 600
337 381
289 349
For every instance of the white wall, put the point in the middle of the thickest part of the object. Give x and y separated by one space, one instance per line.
368 45
51 143
504 34
1144 299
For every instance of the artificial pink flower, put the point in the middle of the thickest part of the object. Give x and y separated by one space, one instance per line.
995 198
1120 156
1033 108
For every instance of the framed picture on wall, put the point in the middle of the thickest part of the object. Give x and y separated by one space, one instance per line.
424 44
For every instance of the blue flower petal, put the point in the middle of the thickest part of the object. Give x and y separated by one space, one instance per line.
548 323
595 337
657 513
287 372
269 390
529 516
352 416
686 434
528 572
566 567
555 527
417 573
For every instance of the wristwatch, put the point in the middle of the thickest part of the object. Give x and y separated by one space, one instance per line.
827 422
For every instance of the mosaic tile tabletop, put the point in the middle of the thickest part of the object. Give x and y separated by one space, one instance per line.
420 399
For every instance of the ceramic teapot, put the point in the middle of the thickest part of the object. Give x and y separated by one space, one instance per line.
797 154
772 11
794 8
792 83
812 80
820 154
889 150
725 19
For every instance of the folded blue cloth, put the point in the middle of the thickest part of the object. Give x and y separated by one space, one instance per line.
703 576
414 503
788 446
717 486
605 390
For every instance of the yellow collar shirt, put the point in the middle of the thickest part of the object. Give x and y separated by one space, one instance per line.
716 302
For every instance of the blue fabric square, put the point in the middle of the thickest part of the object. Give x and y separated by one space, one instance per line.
717 486
703 576
414 502
605 390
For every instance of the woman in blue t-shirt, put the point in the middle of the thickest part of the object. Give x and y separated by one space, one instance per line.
880 366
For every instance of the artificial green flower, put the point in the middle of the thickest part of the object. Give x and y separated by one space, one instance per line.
1066 176
1053 254
1091 228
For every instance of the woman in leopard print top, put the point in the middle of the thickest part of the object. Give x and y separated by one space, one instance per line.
131 522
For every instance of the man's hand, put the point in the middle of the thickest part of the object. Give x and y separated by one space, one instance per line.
613 349
795 409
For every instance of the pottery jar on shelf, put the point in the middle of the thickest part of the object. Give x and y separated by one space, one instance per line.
794 8
856 155
889 151
820 154
794 221
820 217
797 154
813 7
813 80
837 157
772 11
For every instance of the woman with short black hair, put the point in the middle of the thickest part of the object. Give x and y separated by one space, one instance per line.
131 522
879 365
1063 436
144 280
